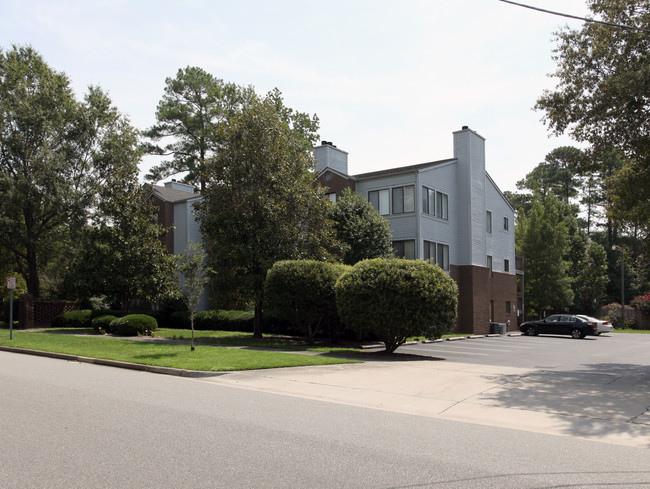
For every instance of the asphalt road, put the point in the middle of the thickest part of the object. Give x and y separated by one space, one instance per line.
71 425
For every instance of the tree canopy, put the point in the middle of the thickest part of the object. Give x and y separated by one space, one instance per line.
193 107
55 155
603 96
360 228
261 204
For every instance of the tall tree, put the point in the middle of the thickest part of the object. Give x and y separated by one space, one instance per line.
55 155
261 204
556 175
542 238
359 226
193 107
123 256
603 92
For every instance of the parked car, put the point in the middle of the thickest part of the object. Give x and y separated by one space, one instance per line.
560 324
601 325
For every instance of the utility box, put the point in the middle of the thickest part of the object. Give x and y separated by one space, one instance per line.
498 328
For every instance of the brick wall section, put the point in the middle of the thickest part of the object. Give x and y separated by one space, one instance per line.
475 291
33 313
336 183
166 219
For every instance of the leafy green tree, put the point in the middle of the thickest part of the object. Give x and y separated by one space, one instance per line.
55 155
542 237
261 204
195 275
396 299
123 256
360 226
195 104
603 74
590 280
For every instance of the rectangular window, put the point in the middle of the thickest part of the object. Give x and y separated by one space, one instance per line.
403 199
380 200
489 264
443 256
442 205
430 251
331 197
506 266
506 224
404 249
428 201
488 221
508 307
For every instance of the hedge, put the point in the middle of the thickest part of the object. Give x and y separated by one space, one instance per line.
220 320
396 298
80 318
102 324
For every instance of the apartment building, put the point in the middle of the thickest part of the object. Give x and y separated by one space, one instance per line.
450 212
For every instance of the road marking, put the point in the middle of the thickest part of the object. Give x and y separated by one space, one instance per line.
430 350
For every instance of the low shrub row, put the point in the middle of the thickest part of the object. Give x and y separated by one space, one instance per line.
214 320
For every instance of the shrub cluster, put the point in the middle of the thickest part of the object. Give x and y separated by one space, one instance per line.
133 325
642 303
102 324
301 292
73 319
396 299
214 320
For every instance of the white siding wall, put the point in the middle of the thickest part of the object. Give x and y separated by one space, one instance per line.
501 243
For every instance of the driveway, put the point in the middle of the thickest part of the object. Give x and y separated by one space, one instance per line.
595 389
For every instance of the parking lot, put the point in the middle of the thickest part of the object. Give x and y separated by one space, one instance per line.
607 352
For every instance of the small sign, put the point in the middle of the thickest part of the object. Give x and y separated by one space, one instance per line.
11 282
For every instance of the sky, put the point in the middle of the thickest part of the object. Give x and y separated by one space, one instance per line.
390 81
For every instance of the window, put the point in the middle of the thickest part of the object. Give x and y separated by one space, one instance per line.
404 249
437 253
403 199
380 200
491 311
508 307
489 264
428 201
331 197
442 205
506 266
443 256
506 224
488 221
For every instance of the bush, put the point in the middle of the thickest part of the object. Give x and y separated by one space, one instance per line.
396 298
215 320
101 324
642 303
160 317
302 292
133 325
106 312
73 319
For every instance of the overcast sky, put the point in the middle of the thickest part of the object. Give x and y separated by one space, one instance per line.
390 81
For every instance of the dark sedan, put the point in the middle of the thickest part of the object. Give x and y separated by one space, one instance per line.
575 326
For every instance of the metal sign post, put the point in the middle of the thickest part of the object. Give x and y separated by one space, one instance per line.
11 285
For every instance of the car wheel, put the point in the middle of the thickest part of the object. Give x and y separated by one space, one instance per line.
577 333
597 334
530 331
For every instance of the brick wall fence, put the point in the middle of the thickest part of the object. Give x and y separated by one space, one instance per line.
35 313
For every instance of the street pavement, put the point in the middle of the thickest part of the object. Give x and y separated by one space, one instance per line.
609 404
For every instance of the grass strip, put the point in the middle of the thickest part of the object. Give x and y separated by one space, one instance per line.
205 358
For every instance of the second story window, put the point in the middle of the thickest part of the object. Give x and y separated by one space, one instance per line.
506 266
489 264
435 203
403 199
488 221
380 200
442 205
506 224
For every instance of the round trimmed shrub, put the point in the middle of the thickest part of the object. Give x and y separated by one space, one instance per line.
101 324
396 298
133 325
302 292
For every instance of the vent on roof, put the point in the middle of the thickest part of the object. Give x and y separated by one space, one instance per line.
465 127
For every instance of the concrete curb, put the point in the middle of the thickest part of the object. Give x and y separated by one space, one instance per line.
115 363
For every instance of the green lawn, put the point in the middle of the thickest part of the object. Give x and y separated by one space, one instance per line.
639 331
207 358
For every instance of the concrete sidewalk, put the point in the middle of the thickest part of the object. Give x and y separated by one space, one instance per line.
608 408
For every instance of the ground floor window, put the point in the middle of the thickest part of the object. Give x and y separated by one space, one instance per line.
437 253
404 249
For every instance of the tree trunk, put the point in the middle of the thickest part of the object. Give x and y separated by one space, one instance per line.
257 325
33 282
